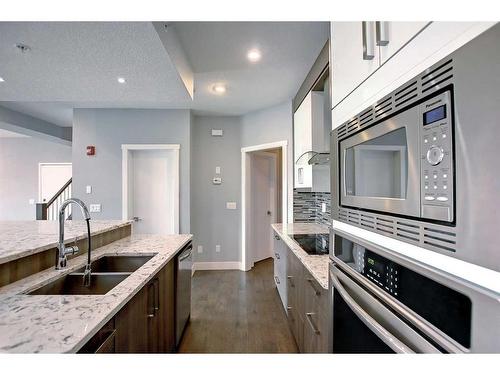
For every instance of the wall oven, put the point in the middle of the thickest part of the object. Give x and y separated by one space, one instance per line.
420 164
380 303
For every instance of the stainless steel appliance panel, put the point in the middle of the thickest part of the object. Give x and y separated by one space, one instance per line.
183 291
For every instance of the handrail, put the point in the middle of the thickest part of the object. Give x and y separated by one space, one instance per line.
59 192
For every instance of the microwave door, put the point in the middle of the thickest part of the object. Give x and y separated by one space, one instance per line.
380 166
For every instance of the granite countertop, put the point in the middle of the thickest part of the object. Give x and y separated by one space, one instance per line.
23 238
317 265
59 324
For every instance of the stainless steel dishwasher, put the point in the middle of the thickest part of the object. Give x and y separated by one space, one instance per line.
183 291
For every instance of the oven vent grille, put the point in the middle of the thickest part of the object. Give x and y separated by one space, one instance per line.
417 233
434 78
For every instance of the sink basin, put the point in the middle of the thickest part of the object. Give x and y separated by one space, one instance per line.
73 284
118 263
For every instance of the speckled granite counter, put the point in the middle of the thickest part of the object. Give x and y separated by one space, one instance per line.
317 265
57 324
22 238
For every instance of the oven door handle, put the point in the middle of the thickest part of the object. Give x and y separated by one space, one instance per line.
389 339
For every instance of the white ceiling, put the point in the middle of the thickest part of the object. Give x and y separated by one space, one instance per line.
75 65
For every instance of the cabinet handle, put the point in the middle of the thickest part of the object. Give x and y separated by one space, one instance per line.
291 281
157 294
276 278
382 33
317 292
368 45
277 256
311 323
276 237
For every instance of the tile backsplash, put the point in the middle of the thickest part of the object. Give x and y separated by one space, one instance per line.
307 207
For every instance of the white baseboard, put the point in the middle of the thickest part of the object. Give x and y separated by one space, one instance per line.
211 266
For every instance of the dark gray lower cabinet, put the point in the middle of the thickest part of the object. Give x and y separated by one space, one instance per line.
307 308
145 324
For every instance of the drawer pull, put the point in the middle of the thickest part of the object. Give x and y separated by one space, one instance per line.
289 277
311 323
277 256
276 278
276 237
310 281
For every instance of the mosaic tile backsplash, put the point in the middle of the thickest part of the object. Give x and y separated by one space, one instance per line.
307 207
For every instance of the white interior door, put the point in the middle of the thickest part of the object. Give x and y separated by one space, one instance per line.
263 209
152 190
52 177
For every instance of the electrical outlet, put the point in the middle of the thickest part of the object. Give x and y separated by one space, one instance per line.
217 248
200 249
231 205
96 207
217 170
323 207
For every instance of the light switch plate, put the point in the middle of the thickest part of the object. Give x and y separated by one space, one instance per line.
200 249
217 248
88 189
323 207
231 205
96 207
217 132
217 170
32 201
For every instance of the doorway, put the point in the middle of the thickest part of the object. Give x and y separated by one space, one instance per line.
150 188
264 200
51 177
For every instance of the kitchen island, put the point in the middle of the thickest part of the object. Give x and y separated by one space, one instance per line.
65 323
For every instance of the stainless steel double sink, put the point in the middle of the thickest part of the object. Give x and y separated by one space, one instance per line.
107 272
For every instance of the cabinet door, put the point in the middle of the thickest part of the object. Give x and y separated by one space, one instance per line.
396 34
131 324
166 311
302 142
350 66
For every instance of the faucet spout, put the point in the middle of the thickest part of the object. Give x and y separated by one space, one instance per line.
62 250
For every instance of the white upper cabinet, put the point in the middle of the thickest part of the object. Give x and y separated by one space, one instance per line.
392 36
405 50
354 56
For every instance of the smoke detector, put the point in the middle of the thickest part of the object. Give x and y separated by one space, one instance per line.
23 47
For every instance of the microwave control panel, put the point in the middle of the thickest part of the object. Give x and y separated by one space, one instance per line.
436 145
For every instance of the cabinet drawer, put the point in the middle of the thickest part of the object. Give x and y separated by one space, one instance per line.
103 341
315 333
316 298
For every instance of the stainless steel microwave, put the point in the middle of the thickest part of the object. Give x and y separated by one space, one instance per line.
421 164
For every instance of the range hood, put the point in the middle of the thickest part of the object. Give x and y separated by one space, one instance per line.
313 158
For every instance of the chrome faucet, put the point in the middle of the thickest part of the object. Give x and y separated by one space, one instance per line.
62 250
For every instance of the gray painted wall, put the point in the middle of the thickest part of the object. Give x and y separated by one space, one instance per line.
19 158
107 130
272 125
211 223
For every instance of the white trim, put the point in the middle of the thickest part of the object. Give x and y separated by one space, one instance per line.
212 266
284 189
126 148
40 176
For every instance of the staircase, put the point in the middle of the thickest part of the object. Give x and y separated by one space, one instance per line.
50 210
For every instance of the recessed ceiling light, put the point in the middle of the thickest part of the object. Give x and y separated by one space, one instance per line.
254 55
2 80
121 80
219 88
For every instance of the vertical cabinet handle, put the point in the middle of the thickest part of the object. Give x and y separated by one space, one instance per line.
311 323
382 33
368 41
276 278
157 294
277 256
151 306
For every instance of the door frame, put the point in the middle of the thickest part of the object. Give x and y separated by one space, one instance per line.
284 190
40 165
126 153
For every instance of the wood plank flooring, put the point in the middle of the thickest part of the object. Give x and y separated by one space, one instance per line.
237 312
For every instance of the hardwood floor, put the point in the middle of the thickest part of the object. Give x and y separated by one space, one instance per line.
237 312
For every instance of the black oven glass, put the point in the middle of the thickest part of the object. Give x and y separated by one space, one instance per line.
378 167
350 334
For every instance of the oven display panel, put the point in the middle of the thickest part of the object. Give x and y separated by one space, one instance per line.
382 271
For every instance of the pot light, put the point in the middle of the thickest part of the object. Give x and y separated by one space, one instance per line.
121 80
219 88
254 55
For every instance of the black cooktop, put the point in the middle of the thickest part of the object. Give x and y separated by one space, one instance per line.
313 244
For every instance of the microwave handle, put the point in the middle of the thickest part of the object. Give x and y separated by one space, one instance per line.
389 339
